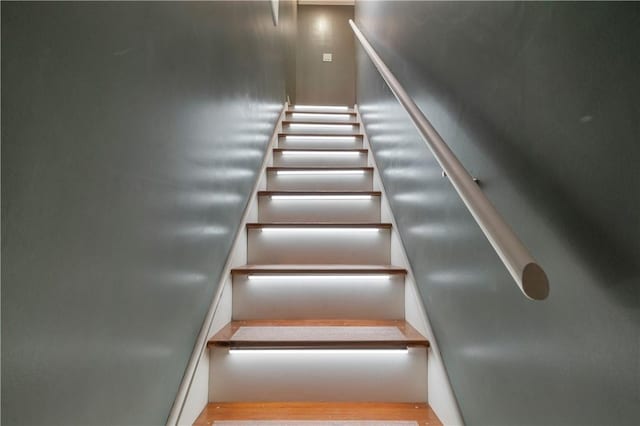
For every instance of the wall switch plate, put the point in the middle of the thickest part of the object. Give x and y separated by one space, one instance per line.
327 57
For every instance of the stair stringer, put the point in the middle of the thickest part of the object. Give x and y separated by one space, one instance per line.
440 395
193 393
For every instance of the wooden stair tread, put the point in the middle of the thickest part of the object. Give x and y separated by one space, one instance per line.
361 150
318 333
323 134
255 225
304 121
420 413
319 269
267 193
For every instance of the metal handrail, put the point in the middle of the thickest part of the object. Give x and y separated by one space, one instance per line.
529 276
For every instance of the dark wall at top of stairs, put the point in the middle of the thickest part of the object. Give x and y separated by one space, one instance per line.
540 101
325 29
132 133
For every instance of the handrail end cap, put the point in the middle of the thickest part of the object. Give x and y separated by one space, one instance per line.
535 284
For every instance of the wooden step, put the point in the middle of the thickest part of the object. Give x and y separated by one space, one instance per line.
319 206
318 292
320 157
320 142
318 334
319 269
319 243
319 178
307 225
307 178
382 413
348 129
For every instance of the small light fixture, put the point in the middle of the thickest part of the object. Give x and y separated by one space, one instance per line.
306 115
324 107
332 138
320 153
246 351
376 277
321 172
309 126
321 197
322 229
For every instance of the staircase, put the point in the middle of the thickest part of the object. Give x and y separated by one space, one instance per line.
318 333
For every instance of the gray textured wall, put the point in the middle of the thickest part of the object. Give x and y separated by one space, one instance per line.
325 83
541 102
131 136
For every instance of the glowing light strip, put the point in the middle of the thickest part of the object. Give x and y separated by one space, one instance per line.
325 107
334 138
321 197
320 153
384 277
320 116
320 351
320 172
341 127
319 229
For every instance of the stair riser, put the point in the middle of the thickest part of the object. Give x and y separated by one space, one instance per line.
395 377
320 117
318 246
295 296
318 210
321 109
319 143
318 159
320 182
